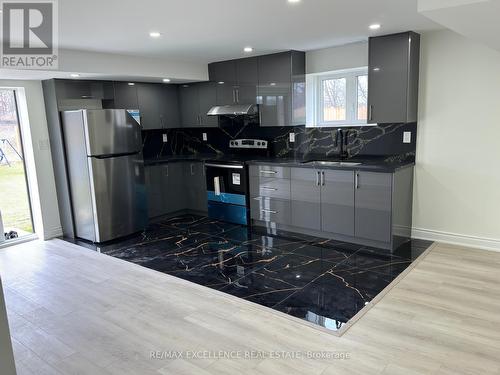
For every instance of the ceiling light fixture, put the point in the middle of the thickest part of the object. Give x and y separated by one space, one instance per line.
154 34
131 84
294 1
166 79
375 26
248 49
74 75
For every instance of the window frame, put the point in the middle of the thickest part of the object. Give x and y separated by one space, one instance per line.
351 76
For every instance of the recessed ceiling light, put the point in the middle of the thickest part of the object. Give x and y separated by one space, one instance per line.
166 79
131 84
74 75
294 1
375 26
154 34
248 49
220 82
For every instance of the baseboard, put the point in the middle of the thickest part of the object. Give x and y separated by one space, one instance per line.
52 233
456 239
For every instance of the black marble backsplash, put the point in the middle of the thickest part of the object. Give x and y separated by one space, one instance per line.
382 141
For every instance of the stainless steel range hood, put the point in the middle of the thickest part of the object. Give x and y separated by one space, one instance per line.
234 110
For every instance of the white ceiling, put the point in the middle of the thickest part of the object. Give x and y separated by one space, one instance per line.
209 30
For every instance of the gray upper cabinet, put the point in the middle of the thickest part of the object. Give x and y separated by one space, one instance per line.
159 106
125 96
393 70
281 89
236 80
305 197
337 202
195 101
76 89
373 206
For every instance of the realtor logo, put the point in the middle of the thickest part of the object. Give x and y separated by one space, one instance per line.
29 35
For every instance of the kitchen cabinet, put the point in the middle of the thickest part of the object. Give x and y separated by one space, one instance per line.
158 104
373 208
236 80
80 89
281 89
125 96
367 208
306 198
337 202
195 186
196 99
393 71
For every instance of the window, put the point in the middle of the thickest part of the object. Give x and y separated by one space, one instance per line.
339 98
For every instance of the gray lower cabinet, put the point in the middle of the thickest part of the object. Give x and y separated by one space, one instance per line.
337 202
176 187
305 198
270 210
195 186
373 206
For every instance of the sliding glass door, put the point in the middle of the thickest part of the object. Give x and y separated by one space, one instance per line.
14 197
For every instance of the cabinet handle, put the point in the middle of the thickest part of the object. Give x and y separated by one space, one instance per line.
322 178
270 211
268 172
166 170
268 188
192 169
356 183
237 96
317 178
370 113
234 96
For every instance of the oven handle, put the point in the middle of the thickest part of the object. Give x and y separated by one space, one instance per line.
228 166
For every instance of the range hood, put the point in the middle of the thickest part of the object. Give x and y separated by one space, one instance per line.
234 110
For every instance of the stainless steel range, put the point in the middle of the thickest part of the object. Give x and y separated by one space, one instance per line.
227 181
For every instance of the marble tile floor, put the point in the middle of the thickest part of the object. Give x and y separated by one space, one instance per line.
325 282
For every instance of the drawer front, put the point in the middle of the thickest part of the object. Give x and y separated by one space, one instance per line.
269 171
270 187
270 210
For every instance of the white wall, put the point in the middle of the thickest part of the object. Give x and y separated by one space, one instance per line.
37 154
457 186
348 56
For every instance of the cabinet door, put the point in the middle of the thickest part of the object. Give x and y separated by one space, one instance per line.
246 94
275 68
247 71
223 71
305 198
195 186
125 96
154 181
275 103
226 93
337 202
373 205
207 94
174 195
388 78
169 107
149 99
189 105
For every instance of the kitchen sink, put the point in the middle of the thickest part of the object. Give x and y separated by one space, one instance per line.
333 163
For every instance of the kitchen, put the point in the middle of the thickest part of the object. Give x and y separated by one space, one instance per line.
292 196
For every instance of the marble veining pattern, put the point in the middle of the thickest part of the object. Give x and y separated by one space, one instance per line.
323 281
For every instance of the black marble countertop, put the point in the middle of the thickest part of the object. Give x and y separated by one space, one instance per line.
375 164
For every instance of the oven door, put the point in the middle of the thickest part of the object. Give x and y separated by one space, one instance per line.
227 186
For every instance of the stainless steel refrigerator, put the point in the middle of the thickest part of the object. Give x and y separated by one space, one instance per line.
105 173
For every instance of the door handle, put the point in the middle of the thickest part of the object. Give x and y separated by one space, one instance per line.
356 182
317 178
322 178
270 211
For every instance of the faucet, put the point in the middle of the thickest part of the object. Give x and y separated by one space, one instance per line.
342 140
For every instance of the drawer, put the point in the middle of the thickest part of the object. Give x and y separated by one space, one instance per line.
270 210
270 187
269 171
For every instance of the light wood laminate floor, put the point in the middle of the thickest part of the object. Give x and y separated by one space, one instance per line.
74 311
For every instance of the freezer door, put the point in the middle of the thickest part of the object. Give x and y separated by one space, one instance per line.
119 196
111 132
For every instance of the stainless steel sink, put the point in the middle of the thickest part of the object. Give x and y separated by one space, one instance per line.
333 163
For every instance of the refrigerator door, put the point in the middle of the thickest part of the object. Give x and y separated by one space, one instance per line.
111 132
119 196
